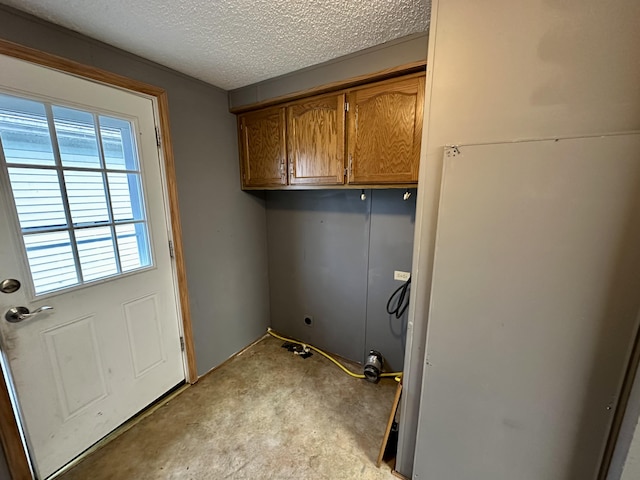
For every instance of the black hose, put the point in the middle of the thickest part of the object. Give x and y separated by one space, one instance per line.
400 305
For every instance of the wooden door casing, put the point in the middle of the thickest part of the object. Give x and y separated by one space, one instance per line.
263 148
385 131
316 140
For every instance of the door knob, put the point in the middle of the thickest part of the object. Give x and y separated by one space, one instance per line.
18 314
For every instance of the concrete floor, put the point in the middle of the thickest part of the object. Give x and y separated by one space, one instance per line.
265 414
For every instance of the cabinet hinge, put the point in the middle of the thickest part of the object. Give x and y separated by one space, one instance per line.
346 106
158 139
172 252
182 343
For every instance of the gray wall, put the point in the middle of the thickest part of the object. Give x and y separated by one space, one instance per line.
569 68
409 49
390 248
332 257
224 228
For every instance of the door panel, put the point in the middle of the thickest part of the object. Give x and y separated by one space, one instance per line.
315 136
79 337
111 346
144 332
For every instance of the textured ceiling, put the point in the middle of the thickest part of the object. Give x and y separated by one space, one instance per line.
232 43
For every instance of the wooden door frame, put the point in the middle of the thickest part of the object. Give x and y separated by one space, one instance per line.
17 459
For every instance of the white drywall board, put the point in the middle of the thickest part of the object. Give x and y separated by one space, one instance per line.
488 65
533 308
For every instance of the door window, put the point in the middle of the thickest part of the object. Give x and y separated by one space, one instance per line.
77 188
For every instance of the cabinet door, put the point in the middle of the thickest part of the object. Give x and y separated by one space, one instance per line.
385 130
315 140
263 148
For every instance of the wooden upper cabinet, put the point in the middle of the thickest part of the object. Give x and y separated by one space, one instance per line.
385 130
315 141
372 130
263 148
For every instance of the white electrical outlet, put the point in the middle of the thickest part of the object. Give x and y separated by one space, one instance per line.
402 276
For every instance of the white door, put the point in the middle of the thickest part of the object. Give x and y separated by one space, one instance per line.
83 228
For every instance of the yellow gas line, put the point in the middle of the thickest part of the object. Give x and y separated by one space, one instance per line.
397 375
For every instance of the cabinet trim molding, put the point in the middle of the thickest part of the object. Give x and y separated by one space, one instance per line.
388 73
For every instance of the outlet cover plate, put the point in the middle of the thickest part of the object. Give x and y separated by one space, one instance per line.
400 275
